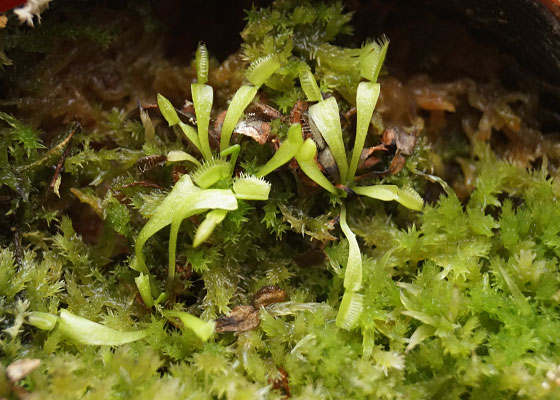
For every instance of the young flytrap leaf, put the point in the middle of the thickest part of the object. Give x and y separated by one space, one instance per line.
372 58
211 172
407 197
144 288
327 119
83 331
167 110
202 329
203 96
353 273
309 84
285 152
248 187
202 63
306 160
366 99
205 229
42 320
260 70
350 310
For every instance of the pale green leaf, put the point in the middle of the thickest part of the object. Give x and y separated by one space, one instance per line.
309 84
205 229
202 329
327 119
366 99
372 58
202 63
203 96
251 188
350 310
84 331
240 101
260 70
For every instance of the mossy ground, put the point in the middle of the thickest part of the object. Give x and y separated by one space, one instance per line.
461 300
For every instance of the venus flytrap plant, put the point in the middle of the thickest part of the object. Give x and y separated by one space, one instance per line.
326 117
193 194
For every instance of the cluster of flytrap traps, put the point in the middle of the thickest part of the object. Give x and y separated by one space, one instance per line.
197 193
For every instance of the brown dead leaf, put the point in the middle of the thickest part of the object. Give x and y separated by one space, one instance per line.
282 383
241 319
262 111
399 137
268 295
245 318
3 21
255 129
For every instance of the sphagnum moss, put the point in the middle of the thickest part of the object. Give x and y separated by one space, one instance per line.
445 300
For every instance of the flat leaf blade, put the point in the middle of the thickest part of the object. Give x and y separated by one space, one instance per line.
327 118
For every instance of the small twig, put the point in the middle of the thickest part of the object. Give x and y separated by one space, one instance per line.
143 184
58 168
65 143
55 149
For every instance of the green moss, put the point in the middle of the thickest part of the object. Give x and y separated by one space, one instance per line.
458 300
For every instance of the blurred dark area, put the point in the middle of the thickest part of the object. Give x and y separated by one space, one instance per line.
514 42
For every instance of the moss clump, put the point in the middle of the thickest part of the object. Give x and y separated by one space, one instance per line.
457 300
